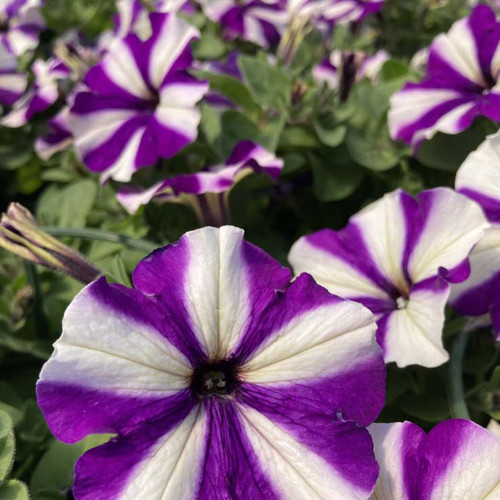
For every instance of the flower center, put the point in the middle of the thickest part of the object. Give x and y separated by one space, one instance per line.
214 379
401 302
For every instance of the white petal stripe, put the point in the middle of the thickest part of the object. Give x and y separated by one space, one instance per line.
103 349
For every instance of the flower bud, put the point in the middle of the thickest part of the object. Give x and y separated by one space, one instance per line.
21 235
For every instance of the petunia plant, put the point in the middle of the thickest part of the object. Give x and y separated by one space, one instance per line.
339 339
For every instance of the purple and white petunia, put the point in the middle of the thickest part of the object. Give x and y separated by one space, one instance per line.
12 82
43 93
259 21
220 379
337 11
461 82
133 17
397 257
207 188
457 460
479 179
21 22
141 101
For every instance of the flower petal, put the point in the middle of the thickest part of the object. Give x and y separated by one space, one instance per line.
412 335
232 467
218 281
307 334
396 449
169 46
479 177
474 296
331 459
459 459
341 262
115 344
451 226
154 462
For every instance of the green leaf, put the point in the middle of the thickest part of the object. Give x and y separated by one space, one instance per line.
269 85
448 152
375 152
298 137
14 490
233 89
7 445
54 471
335 178
119 271
68 206
210 123
329 131
208 46
235 127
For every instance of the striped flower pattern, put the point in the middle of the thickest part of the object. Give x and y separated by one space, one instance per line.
39 97
479 179
12 81
460 83
21 23
246 157
140 104
220 379
397 257
457 460
259 21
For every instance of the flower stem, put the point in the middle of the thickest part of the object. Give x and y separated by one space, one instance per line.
97 234
456 397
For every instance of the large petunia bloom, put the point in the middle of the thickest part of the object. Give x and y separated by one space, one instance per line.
141 101
461 82
220 378
457 460
21 22
397 257
259 21
12 82
479 179
43 93
206 191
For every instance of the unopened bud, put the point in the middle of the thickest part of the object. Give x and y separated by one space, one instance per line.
21 235
351 61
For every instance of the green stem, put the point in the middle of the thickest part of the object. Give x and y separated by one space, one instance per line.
97 234
458 407
33 280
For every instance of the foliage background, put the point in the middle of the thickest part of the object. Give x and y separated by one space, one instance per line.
338 158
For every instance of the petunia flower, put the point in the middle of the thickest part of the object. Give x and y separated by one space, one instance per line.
12 82
397 257
21 22
337 11
457 460
461 82
141 102
259 21
479 179
43 93
207 191
219 378
133 17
